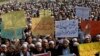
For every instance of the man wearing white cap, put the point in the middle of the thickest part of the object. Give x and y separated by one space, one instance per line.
24 51
98 38
39 48
87 38
64 49
74 46
75 42
31 48
39 40
52 48
3 50
45 45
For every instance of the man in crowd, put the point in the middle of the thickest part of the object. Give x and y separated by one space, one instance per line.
24 51
52 48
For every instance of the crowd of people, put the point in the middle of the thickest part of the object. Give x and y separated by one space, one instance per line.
30 45
41 44
60 10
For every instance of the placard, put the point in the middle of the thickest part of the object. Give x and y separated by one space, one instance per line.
83 12
12 33
8 33
66 28
89 49
43 26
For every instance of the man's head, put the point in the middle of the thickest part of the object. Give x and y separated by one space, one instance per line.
98 37
51 44
38 46
87 38
45 43
29 39
74 40
16 41
65 43
3 48
24 47
7 42
49 37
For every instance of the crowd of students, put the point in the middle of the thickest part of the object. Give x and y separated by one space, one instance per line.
30 45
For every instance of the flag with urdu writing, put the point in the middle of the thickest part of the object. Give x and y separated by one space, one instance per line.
12 33
13 24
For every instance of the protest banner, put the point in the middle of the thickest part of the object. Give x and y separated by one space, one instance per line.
9 20
89 49
43 54
83 12
42 26
12 25
8 33
66 28
94 27
12 33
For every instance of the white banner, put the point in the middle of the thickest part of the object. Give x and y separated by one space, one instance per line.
83 12
66 28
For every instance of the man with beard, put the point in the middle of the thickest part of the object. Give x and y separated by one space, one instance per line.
64 49
39 49
4 51
24 51
52 48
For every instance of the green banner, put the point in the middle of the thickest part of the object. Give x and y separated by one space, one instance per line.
8 33
12 33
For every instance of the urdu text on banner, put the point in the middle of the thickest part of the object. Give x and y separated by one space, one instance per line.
66 28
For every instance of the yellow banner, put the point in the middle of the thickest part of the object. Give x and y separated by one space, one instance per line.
42 26
89 49
11 21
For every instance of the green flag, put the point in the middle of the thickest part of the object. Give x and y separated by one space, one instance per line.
8 33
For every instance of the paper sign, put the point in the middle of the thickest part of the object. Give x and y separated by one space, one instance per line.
43 26
89 49
12 33
11 21
82 12
66 28
8 33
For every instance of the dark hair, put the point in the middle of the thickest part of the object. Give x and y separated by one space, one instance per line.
27 37
97 54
